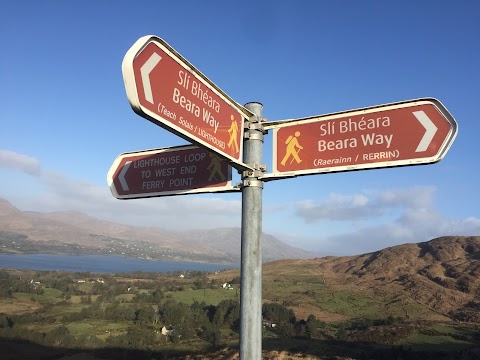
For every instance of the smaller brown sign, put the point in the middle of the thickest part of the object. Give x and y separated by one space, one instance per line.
170 171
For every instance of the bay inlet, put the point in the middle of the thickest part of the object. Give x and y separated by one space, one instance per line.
101 264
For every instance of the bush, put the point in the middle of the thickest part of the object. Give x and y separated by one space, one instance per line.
278 313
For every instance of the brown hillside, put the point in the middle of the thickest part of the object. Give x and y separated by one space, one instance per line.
442 274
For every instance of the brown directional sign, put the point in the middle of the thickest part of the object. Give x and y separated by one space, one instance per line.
166 89
171 171
405 133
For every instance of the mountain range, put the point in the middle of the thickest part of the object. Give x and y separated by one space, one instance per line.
71 232
442 274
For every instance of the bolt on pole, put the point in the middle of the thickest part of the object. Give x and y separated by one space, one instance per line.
251 234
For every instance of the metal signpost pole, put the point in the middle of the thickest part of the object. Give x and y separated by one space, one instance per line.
251 263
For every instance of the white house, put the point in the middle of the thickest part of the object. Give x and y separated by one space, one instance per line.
167 330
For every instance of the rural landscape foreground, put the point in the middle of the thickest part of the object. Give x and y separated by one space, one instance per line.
412 301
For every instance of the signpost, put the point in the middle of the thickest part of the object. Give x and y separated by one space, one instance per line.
166 89
405 133
171 171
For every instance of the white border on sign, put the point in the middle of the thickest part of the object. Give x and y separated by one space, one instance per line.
131 89
219 189
276 125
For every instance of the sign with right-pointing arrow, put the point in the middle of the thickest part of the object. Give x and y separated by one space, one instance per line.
405 133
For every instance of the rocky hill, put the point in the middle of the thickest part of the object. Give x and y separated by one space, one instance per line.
442 274
70 232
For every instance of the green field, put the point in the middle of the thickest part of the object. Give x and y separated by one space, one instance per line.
49 296
99 328
209 296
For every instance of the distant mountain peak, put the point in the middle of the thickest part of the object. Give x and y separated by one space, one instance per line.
6 208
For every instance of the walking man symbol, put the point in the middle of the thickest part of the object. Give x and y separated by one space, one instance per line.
293 149
233 131
215 168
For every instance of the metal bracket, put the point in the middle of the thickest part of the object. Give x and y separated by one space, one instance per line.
255 126
256 183
256 166
253 135
252 119
250 177
252 174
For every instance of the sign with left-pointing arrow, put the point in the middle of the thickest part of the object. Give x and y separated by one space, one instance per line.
405 133
178 170
166 89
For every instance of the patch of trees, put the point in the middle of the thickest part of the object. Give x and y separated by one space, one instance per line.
152 297
10 236
142 315
362 324
113 311
10 284
383 334
311 329
5 322
281 319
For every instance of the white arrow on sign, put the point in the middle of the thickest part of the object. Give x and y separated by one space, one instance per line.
430 130
121 176
145 70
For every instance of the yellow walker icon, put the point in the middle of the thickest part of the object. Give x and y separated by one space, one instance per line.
215 168
293 149
233 131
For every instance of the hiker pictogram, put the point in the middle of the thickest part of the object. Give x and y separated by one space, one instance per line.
233 131
215 168
293 149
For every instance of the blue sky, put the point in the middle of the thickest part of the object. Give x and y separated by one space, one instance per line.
64 114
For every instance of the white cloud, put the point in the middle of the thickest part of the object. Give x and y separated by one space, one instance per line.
363 206
335 207
415 220
23 163
472 223
166 212
407 229
420 196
